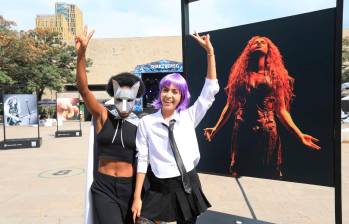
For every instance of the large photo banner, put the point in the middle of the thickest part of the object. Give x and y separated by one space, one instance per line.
20 109
273 117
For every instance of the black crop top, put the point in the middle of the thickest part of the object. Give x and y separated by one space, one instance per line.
117 139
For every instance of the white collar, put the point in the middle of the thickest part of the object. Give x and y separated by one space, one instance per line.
159 118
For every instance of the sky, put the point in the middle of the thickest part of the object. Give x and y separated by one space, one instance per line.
138 18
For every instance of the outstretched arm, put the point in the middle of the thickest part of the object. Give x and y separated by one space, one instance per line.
209 133
95 108
288 122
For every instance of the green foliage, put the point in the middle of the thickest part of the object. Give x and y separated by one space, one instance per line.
33 61
6 39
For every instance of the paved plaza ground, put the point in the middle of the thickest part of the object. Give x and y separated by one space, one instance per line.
46 185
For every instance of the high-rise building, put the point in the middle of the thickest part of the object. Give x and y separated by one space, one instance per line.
55 23
72 14
67 21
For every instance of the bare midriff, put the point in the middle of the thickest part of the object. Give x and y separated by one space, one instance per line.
115 168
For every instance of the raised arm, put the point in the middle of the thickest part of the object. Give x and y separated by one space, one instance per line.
207 96
95 108
287 121
205 43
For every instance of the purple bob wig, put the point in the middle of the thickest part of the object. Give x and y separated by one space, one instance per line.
179 82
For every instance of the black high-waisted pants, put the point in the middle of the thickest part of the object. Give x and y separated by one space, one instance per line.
112 199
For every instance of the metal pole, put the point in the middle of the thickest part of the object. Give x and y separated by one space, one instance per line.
80 114
37 115
3 113
337 112
57 111
185 31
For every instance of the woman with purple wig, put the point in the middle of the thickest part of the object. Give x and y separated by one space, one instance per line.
166 141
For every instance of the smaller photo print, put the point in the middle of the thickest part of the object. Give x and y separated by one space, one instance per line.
68 109
20 109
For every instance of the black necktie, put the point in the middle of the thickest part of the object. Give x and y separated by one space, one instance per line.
179 161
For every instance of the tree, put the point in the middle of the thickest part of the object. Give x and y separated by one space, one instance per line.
345 59
55 65
7 37
33 61
5 24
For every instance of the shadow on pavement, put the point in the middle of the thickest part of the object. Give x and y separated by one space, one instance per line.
211 217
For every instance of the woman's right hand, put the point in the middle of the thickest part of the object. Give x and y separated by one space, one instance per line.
82 40
136 208
310 141
209 133
204 42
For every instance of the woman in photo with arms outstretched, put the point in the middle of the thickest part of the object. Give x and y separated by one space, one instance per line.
259 93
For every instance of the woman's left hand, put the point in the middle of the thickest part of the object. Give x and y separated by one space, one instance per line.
82 40
136 208
310 141
204 42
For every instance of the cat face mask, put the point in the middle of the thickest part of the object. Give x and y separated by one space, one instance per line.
124 97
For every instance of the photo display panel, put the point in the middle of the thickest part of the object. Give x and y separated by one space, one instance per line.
20 110
68 108
68 111
258 135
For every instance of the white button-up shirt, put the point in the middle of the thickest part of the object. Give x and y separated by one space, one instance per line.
152 136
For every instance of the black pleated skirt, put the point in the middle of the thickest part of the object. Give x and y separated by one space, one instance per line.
167 201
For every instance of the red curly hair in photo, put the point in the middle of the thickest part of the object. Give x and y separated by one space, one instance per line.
282 82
